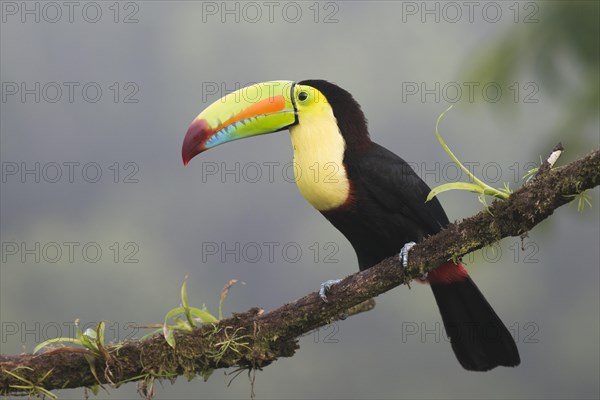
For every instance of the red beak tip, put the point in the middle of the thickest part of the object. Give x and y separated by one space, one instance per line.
196 135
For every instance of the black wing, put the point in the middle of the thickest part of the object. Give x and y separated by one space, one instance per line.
388 207
399 191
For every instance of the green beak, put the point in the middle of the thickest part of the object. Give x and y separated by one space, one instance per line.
254 110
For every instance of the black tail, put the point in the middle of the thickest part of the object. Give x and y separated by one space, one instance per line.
479 338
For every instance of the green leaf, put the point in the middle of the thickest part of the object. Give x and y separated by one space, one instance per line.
174 312
100 333
88 339
482 188
168 334
147 335
185 304
90 334
95 389
583 200
203 315
181 324
91 360
206 374
56 340
453 186
184 299
191 314
455 159
78 332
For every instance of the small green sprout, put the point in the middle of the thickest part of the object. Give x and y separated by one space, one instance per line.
33 389
91 339
477 187
583 200
192 316
186 318
531 173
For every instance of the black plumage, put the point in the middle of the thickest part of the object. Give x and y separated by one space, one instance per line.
386 208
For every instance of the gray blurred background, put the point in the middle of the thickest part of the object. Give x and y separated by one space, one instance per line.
100 221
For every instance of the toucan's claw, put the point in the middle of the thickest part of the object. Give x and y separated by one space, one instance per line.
325 286
404 254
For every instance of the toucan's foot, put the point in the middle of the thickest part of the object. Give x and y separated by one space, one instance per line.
404 254
325 286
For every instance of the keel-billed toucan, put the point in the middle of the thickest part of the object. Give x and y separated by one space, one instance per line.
367 192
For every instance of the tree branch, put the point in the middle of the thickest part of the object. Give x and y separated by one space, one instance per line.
253 339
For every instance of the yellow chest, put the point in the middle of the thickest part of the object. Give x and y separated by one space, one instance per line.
318 162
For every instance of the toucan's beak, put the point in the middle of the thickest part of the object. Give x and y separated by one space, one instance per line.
254 110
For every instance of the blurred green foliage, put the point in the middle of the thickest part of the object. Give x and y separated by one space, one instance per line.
560 46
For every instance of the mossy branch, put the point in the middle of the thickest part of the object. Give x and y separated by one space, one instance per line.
254 339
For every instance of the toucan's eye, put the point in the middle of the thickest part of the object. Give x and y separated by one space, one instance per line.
302 96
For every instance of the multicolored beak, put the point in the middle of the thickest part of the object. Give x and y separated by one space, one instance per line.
254 110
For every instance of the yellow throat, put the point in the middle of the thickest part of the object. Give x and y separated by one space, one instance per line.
318 159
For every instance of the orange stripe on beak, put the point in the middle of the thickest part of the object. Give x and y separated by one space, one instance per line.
266 106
